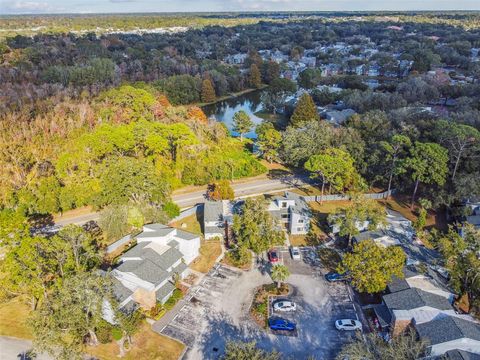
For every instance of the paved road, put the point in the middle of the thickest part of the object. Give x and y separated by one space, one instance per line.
12 349
242 189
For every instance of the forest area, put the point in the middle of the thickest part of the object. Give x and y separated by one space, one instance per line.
113 120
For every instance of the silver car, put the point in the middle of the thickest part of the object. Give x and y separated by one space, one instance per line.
284 305
295 253
348 324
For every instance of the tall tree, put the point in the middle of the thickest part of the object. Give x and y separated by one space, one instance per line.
460 140
394 150
33 267
360 210
255 78
275 95
371 267
208 91
334 167
254 227
70 315
242 123
280 274
373 347
269 142
304 111
461 259
428 164
221 190
309 78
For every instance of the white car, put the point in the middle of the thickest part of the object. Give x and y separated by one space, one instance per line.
348 324
295 253
284 305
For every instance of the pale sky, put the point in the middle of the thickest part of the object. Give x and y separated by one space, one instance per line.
119 6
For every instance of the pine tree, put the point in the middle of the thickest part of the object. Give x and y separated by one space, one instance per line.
305 111
242 123
255 78
208 92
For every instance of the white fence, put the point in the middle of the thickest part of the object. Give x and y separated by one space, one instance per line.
340 197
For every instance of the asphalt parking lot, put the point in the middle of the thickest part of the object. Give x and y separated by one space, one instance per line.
217 311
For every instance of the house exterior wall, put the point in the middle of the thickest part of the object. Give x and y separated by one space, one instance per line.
398 326
209 236
189 248
296 227
469 345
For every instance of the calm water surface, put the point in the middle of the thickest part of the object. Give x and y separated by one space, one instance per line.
224 110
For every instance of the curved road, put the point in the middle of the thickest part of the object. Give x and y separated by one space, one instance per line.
189 199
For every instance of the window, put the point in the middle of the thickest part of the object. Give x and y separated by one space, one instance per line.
284 204
284 216
299 228
300 221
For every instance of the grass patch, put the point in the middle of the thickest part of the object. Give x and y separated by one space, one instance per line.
13 317
191 223
147 345
329 258
210 250
401 204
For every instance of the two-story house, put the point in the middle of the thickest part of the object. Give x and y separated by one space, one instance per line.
292 211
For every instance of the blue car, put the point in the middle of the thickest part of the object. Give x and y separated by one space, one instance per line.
281 324
333 277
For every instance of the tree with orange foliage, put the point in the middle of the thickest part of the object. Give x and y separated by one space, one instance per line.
197 113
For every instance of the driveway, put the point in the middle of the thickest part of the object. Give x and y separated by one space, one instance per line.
218 311
13 349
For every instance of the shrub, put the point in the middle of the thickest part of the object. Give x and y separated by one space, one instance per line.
117 334
104 332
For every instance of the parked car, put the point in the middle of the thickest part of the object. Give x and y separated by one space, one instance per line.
348 324
295 253
273 256
284 305
281 324
334 276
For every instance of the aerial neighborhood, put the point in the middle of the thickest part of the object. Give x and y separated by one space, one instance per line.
256 185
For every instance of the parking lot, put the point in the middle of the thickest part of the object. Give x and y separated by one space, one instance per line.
217 310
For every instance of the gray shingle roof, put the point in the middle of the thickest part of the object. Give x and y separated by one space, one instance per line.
448 329
214 230
383 315
397 285
180 268
460 355
185 235
120 292
212 211
164 291
145 269
414 298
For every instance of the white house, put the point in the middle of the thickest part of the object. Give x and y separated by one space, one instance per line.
292 211
145 274
216 215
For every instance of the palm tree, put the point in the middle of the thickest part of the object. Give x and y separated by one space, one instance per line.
280 274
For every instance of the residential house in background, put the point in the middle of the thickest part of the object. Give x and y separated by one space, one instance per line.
292 211
236 59
217 215
451 333
145 274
